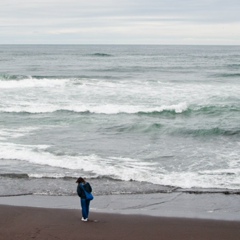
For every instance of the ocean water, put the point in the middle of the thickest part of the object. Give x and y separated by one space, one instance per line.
130 119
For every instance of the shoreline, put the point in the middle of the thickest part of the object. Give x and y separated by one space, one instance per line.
25 223
102 186
177 205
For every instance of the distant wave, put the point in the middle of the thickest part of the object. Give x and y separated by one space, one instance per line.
6 77
20 81
156 127
140 128
211 132
101 55
12 82
148 127
228 75
105 109
166 110
188 110
12 77
234 66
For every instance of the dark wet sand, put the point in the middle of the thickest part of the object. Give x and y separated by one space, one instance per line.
25 223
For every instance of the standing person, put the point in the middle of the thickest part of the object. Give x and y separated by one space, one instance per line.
85 203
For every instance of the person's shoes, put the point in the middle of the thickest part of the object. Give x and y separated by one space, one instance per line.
84 219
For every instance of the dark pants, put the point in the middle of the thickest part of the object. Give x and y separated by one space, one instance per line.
85 207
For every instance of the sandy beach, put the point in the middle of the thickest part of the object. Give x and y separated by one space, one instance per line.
24 223
216 206
150 216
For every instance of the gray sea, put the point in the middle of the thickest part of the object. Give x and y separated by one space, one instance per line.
130 119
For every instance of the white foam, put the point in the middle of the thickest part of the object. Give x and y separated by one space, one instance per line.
99 109
33 83
221 171
31 108
193 179
109 97
15 133
46 175
120 168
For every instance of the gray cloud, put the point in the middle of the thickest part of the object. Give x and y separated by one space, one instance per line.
139 21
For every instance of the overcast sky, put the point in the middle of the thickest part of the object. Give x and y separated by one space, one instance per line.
120 21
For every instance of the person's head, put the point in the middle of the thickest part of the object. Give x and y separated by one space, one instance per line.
80 180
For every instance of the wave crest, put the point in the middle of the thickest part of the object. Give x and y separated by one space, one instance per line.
228 75
102 109
101 55
30 82
211 132
7 77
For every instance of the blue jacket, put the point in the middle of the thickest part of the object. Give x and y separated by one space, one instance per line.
80 191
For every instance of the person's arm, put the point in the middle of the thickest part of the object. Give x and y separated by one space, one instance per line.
79 190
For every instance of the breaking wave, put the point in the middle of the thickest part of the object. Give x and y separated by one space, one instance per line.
102 109
112 109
